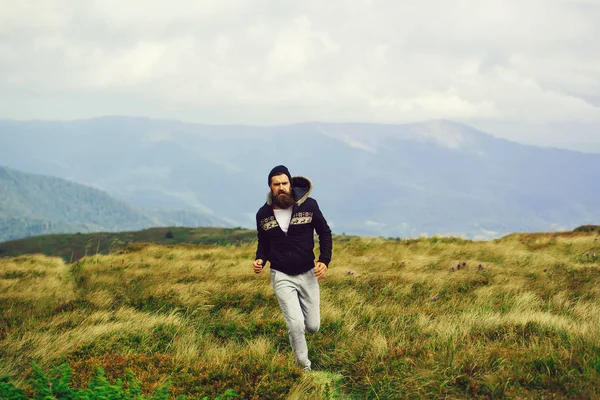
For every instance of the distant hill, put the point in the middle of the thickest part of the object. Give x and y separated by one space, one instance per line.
588 228
435 177
34 204
71 247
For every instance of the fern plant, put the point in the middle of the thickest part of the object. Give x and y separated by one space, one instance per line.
56 385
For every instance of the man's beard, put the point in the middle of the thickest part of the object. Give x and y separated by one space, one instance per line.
283 200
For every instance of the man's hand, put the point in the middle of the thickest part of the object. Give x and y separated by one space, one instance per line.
258 266
320 270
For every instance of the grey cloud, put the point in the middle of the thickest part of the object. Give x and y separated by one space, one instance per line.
269 61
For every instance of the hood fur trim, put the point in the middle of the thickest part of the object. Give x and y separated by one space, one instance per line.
301 190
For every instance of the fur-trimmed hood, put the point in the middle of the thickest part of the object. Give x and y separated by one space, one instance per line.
301 189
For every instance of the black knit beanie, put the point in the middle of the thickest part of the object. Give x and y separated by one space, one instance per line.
279 170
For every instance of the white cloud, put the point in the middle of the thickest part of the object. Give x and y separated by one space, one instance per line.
266 61
6 53
28 15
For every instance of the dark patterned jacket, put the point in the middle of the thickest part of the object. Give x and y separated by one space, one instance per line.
292 253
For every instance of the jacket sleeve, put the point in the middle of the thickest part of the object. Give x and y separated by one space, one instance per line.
324 232
262 249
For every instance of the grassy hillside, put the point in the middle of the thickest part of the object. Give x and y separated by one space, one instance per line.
519 319
35 205
72 247
588 228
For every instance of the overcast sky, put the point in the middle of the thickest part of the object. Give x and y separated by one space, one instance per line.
527 70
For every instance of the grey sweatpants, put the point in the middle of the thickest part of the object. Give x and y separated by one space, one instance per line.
299 300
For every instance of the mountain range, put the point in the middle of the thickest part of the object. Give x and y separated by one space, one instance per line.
435 177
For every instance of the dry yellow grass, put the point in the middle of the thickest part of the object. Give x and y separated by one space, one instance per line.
397 321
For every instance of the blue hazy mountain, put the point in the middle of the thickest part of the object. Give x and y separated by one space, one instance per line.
370 179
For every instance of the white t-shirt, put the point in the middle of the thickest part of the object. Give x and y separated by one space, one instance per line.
283 218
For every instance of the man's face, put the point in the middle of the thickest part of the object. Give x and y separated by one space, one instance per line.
280 184
281 191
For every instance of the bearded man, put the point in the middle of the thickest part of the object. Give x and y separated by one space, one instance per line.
286 226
